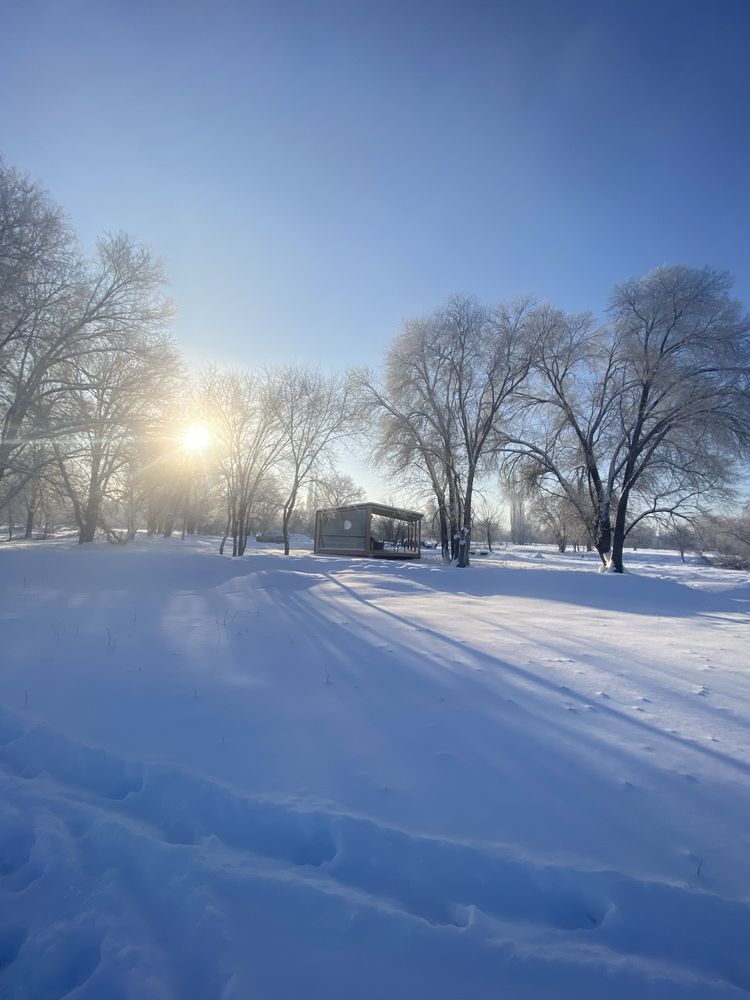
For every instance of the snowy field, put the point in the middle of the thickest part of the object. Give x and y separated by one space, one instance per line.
336 779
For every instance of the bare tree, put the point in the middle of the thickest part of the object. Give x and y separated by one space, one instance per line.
315 412
648 413
451 379
36 485
555 444
336 489
487 520
38 270
682 535
406 447
557 516
242 411
56 307
683 415
520 523
731 539
112 397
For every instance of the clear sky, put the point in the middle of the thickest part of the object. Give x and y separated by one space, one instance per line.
312 172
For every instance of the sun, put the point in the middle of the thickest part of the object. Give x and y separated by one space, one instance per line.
196 437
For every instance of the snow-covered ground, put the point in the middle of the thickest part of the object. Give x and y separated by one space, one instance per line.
333 778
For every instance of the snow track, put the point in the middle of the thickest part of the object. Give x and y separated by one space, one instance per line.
175 845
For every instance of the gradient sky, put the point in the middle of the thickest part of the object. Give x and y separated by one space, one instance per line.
312 172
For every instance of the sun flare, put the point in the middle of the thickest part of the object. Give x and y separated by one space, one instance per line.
196 437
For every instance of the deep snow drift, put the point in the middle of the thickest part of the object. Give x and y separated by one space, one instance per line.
331 778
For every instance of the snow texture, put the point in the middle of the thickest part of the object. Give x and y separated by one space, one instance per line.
334 778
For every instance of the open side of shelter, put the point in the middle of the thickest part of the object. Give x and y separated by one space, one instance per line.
369 529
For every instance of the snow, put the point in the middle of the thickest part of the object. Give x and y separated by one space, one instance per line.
337 778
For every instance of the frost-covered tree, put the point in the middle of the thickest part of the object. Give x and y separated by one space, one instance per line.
57 308
683 412
451 381
411 455
649 412
315 412
487 520
518 515
336 489
557 516
242 411
72 335
114 396
40 276
727 537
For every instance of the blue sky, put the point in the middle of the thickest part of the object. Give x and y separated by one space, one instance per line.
314 172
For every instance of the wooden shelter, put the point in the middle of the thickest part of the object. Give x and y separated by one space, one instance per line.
369 529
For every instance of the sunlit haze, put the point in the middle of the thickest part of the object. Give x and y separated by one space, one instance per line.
196 437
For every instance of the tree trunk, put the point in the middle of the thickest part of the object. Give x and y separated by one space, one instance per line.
444 530
185 511
242 529
442 513
454 501
226 532
11 433
90 517
618 537
288 510
29 532
464 541
88 528
603 535
445 544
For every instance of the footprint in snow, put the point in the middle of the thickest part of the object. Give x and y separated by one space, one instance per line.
702 690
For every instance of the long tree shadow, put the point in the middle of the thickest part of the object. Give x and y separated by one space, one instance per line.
540 682
628 593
